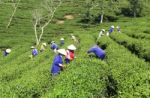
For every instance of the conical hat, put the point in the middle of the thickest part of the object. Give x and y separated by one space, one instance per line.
112 26
52 42
62 39
8 50
32 47
62 51
117 27
71 47
44 44
103 30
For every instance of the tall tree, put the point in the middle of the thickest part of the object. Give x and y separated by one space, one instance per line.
15 4
43 16
136 7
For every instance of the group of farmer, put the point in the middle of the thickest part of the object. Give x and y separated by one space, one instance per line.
58 62
111 29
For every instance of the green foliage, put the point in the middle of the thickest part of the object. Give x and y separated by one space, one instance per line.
122 74
87 81
138 47
136 7
127 70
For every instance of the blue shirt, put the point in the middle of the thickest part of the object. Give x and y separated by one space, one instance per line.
62 42
111 30
54 46
5 53
55 66
97 51
34 52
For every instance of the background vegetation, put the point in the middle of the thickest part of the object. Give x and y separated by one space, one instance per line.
123 74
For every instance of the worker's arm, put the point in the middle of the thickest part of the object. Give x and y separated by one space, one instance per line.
90 50
62 66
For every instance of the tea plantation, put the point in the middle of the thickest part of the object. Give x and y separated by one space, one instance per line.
124 73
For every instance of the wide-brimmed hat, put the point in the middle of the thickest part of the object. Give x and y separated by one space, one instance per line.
112 26
52 42
32 47
62 51
62 39
117 27
71 47
8 50
103 30
44 44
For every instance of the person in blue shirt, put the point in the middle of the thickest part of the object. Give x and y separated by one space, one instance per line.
6 52
57 64
97 51
34 51
111 29
62 41
118 29
54 46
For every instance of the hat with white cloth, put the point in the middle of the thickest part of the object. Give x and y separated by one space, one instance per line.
32 47
112 26
44 44
117 27
52 42
71 47
103 30
62 51
62 39
8 50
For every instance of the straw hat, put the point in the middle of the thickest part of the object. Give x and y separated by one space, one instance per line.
71 47
44 44
103 30
8 50
112 26
32 47
117 27
62 39
62 51
52 42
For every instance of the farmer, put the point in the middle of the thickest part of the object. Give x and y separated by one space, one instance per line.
34 51
54 46
97 51
101 33
62 41
7 51
43 47
70 53
58 62
118 29
74 38
110 30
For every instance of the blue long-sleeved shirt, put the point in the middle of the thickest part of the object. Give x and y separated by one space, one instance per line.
34 52
54 46
62 42
55 66
111 30
5 53
97 51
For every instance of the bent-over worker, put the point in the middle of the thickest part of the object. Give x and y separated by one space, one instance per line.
97 51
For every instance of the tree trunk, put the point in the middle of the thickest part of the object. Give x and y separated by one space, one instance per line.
46 24
35 31
101 18
10 20
134 14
